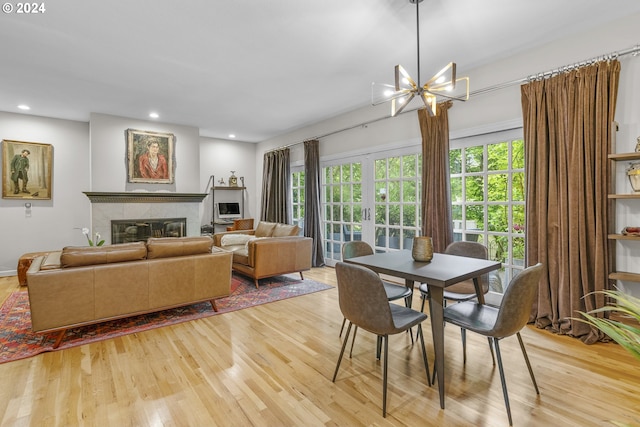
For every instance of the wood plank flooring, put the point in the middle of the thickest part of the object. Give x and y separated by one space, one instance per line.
272 365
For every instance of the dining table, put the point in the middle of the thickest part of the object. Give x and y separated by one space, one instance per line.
443 270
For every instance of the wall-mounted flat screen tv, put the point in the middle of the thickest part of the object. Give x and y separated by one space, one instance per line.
228 210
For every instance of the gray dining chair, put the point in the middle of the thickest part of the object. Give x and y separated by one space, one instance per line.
393 291
501 322
463 291
364 303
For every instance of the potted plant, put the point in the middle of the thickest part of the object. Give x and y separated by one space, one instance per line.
627 334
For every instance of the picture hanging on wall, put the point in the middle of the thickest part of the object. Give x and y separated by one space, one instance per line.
150 156
26 170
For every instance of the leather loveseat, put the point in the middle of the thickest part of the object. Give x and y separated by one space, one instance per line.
85 285
272 249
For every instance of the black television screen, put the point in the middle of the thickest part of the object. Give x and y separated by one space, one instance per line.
228 210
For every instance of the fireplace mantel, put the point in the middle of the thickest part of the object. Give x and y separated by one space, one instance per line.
143 197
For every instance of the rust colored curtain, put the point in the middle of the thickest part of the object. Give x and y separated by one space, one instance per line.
276 185
436 189
312 210
567 131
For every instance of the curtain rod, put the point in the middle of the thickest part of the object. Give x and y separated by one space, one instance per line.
635 51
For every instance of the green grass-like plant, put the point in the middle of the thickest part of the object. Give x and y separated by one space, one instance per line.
625 334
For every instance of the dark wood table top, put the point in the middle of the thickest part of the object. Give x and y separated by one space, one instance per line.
443 270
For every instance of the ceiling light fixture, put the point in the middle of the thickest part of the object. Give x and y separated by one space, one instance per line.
443 85
154 115
24 107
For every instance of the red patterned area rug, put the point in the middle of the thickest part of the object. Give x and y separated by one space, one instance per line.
17 341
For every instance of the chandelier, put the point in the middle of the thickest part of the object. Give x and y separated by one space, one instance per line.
443 85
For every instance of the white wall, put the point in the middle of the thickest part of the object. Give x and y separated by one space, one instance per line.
53 223
218 158
109 154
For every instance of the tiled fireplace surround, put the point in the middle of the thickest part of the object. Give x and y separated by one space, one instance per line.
143 205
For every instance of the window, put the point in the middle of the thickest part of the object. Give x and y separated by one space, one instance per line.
297 199
397 201
487 195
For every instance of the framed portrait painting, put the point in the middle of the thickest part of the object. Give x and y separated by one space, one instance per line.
26 170
150 156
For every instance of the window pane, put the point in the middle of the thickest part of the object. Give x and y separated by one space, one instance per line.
455 161
517 154
456 189
346 193
346 173
497 187
409 166
475 188
474 159
357 193
394 167
394 214
518 218
498 157
381 169
409 191
409 216
474 217
517 186
394 191
381 214
498 218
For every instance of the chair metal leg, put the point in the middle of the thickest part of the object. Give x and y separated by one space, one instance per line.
493 357
355 332
502 380
344 320
424 354
526 359
385 338
463 335
344 344
378 347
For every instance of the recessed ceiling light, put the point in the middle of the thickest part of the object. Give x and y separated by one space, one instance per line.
24 107
232 135
154 115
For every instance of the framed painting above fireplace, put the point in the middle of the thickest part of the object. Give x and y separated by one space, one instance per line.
150 156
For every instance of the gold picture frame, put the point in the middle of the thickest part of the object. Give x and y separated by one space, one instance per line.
150 157
26 170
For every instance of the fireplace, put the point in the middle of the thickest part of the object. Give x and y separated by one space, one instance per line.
136 230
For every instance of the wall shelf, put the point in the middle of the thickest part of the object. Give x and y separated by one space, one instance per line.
615 237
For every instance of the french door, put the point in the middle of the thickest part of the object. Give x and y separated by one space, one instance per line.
374 198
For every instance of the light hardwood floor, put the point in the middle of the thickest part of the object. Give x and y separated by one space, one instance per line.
272 365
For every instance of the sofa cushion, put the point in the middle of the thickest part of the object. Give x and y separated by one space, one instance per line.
51 261
165 247
265 229
235 239
76 256
241 256
283 230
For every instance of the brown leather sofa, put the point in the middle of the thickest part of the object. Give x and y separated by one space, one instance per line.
270 250
85 285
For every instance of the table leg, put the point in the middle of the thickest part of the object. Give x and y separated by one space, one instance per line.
479 293
411 285
436 303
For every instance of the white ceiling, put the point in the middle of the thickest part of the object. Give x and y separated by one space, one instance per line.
257 68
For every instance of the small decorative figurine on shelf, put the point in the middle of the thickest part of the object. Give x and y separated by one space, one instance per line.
638 145
221 182
233 179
